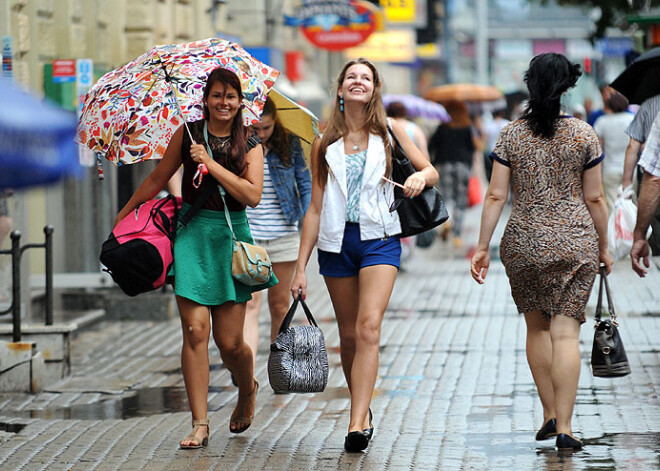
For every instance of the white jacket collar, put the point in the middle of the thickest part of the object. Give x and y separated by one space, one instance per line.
336 159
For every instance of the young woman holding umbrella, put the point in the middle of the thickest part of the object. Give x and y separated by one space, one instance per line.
204 287
350 222
274 222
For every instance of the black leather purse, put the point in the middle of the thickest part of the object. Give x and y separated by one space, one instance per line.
421 213
608 357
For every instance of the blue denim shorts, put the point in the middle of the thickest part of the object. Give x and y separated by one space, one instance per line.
356 254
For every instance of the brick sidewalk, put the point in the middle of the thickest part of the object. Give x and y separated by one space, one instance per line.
454 392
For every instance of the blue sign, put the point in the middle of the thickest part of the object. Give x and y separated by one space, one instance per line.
614 47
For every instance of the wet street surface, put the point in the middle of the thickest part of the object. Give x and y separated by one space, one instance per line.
454 392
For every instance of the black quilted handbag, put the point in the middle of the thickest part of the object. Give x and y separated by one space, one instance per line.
608 357
298 361
418 214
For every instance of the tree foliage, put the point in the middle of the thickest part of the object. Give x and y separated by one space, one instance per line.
612 12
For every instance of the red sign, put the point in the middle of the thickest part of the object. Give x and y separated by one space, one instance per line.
64 70
295 60
335 25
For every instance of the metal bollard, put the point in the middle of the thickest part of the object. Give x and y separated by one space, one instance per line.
16 284
48 230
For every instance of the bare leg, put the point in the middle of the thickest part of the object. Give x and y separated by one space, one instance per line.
196 326
228 320
344 296
251 327
279 296
375 287
565 332
539 358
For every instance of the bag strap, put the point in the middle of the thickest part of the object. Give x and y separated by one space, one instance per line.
196 206
220 187
251 144
286 322
604 286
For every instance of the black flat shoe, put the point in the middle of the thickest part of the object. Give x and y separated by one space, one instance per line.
370 431
566 442
548 430
356 441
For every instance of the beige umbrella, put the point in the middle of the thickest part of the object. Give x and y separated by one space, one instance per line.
463 92
296 119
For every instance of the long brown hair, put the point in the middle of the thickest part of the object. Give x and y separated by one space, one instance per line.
460 118
375 122
279 140
239 132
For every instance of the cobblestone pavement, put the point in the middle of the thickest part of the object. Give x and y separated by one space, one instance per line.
454 392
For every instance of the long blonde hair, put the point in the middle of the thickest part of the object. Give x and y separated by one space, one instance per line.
375 122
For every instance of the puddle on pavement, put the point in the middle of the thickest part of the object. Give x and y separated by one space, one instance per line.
11 428
609 452
144 402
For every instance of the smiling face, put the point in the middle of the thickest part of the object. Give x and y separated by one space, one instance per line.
358 84
223 102
264 128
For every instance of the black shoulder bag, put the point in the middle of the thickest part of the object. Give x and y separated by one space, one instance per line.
608 357
421 213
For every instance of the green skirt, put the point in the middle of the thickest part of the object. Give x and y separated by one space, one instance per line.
202 259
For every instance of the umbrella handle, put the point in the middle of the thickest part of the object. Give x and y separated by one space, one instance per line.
199 174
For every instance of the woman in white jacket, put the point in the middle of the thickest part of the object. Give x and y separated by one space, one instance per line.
356 235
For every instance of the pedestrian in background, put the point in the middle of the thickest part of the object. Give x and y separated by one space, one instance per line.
202 250
453 148
350 222
648 202
397 110
287 192
639 130
555 237
492 130
611 129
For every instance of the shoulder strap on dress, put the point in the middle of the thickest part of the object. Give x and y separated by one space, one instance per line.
252 142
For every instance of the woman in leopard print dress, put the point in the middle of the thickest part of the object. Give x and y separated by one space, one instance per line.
555 237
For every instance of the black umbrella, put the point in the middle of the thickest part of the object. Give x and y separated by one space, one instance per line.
641 80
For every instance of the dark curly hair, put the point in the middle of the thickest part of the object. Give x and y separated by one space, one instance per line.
548 77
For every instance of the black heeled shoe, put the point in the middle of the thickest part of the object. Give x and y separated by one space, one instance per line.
548 430
566 442
370 431
356 441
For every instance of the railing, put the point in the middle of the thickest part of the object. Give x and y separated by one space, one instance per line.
16 253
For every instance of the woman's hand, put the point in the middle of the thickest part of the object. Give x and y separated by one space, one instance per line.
479 266
606 259
299 285
199 154
414 185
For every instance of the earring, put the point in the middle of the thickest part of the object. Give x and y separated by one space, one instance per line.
341 103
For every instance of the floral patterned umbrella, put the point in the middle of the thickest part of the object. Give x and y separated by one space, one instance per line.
131 113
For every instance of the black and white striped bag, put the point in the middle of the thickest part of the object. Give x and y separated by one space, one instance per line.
298 361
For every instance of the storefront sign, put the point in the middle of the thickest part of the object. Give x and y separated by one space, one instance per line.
84 81
399 11
7 57
389 46
64 71
334 24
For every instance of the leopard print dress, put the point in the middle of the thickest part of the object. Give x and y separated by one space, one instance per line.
550 246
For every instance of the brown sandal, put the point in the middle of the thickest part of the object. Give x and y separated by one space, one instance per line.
196 424
235 419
